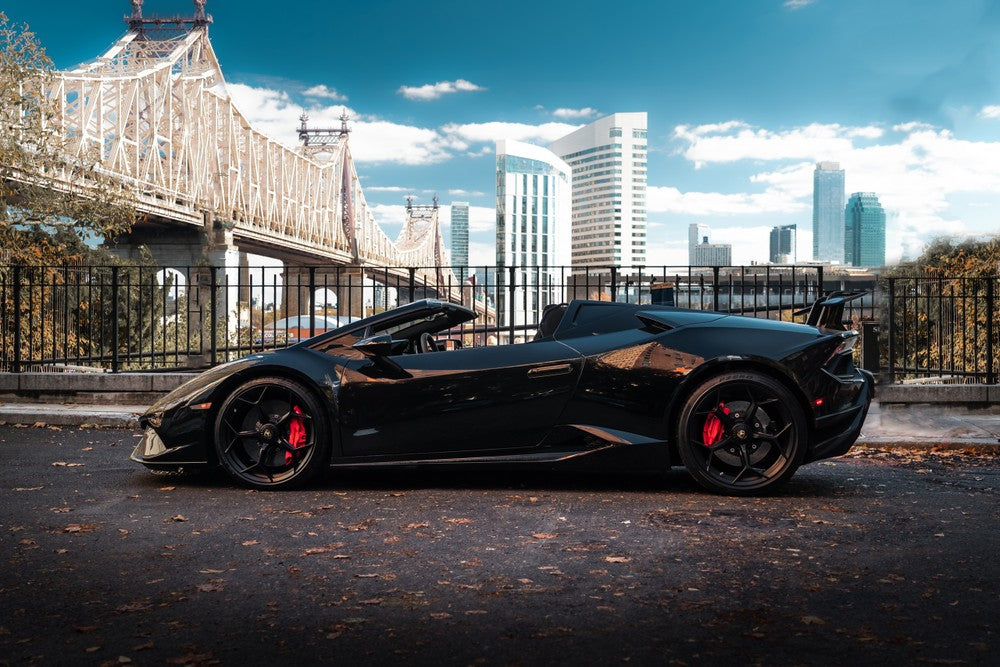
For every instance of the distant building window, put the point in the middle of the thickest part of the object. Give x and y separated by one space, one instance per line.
615 132
638 134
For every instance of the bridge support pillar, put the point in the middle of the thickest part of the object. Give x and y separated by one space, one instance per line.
351 286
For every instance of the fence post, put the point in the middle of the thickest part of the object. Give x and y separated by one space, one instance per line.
991 376
614 283
312 302
213 319
115 315
891 330
512 304
819 279
715 288
413 281
16 367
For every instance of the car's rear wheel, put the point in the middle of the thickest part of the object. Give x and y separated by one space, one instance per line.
742 433
271 433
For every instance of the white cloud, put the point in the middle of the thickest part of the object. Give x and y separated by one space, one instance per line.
915 175
372 139
482 254
465 193
387 188
666 199
494 130
375 140
585 112
321 91
797 4
991 111
432 91
735 140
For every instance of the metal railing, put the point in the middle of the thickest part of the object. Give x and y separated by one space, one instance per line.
942 328
141 317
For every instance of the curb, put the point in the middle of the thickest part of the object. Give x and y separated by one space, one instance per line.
71 415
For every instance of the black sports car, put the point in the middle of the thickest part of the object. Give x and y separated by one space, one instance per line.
742 402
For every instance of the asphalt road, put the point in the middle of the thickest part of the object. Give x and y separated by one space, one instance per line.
873 559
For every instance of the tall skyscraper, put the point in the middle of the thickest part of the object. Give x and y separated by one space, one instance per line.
460 234
696 233
828 212
783 241
608 158
864 230
533 228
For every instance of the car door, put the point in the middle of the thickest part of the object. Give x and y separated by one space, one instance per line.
458 401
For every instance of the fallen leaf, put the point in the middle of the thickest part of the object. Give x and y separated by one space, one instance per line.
371 601
79 528
543 536
459 521
178 517
249 543
63 464
812 620
28 488
209 587
92 649
440 616
166 488
617 559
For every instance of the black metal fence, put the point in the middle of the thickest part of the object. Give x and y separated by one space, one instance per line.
122 318
941 328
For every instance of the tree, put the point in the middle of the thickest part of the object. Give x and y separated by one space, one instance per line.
52 201
944 310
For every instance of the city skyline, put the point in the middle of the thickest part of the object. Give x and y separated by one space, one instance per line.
742 101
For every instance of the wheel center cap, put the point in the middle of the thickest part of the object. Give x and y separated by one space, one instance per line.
267 432
741 431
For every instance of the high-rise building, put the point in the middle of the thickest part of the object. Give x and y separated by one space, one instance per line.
783 239
533 228
828 212
460 234
864 230
608 158
696 233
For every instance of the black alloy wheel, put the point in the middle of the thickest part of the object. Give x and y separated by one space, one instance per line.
271 433
742 433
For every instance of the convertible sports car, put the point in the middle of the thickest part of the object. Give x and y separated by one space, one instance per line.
741 402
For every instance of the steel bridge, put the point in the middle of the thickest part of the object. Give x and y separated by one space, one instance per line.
156 111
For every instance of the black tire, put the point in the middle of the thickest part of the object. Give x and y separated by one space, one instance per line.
758 438
272 433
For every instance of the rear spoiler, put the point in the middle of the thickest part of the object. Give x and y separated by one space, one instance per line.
827 312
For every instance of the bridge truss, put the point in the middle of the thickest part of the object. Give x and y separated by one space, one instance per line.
156 111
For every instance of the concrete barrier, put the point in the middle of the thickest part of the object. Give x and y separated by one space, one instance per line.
89 388
953 394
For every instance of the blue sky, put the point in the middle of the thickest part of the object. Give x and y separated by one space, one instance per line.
743 97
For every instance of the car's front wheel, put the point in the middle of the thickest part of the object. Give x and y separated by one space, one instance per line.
742 433
271 433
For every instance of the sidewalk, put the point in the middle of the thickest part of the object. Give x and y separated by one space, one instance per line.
916 425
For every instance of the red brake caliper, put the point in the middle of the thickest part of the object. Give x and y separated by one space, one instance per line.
711 433
296 432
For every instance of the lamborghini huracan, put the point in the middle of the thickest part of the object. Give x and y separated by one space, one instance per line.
740 402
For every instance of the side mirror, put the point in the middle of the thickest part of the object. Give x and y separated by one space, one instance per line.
375 346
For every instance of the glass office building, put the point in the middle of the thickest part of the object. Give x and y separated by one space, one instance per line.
533 229
864 230
783 242
828 212
460 235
